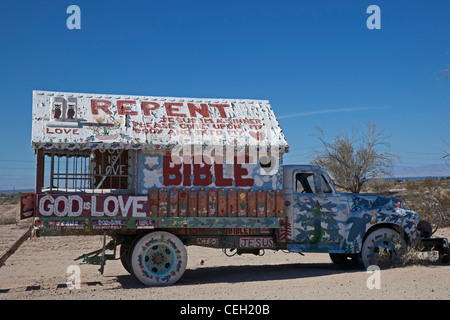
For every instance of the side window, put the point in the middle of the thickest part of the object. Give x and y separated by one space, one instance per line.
110 169
86 171
304 182
325 186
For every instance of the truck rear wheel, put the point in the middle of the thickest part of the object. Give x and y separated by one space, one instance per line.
158 258
383 247
124 251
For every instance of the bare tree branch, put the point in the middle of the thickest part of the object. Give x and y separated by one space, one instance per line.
353 166
445 72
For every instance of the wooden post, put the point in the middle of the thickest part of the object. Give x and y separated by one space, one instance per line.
39 170
15 246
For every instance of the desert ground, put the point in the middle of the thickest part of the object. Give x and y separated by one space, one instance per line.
38 271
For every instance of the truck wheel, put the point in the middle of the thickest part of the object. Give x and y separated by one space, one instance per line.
158 258
124 251
384 248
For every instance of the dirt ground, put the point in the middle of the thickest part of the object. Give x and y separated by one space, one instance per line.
38 271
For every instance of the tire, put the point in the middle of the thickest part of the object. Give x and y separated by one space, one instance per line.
383 247
124 251
158 258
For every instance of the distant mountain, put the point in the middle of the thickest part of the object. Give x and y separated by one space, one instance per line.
431 170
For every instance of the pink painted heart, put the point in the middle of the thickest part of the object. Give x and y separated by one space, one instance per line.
257 135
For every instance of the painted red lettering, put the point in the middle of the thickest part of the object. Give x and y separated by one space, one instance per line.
147 106
103 105
122 109
202 175
203 110
61 131
171 109
171 172
221 109
220 180
239 172
186 174
177 174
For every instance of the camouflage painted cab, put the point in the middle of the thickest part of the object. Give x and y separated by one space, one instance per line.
352 228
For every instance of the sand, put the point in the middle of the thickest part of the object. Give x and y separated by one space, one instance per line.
38 270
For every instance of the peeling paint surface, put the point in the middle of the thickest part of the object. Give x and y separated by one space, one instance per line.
97 121
158 170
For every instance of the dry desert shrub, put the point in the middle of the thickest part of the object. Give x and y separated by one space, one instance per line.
9 214
9 209
431 199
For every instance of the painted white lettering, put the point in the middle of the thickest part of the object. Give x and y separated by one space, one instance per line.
43 208
80 206
111 213
58 203
138 206
124 208
94 211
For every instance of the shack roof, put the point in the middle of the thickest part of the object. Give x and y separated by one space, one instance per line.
64 120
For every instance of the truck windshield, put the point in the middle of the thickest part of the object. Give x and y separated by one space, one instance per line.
304 183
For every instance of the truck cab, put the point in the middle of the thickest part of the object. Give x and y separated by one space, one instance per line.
321 219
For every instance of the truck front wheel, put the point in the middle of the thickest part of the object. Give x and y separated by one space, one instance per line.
158 258
383 247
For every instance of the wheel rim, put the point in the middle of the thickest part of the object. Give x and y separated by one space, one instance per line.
159 259
384 252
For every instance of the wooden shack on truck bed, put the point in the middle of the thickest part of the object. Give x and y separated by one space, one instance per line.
120 163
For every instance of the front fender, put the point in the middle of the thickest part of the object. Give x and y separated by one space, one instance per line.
372 211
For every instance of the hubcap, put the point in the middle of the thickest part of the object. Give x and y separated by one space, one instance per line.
384 253
159 259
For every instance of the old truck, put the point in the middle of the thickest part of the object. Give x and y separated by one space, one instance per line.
157 174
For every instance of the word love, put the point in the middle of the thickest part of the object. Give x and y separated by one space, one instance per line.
61 131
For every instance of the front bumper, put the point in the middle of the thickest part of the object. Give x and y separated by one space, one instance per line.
435 244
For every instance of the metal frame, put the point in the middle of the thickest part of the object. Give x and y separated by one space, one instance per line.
78 171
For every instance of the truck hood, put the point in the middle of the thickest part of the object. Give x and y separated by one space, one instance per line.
359 201
374 209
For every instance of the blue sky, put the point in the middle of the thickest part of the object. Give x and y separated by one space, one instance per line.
316 61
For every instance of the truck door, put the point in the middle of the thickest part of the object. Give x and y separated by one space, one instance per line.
316 210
